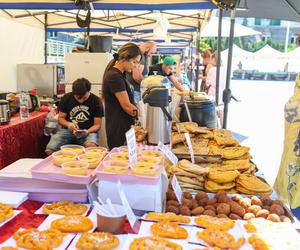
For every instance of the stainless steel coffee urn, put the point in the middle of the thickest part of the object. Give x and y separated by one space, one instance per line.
4 112
158 118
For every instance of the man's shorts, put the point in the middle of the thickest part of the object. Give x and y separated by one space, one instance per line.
65 136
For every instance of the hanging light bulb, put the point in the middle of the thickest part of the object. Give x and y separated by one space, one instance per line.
161 27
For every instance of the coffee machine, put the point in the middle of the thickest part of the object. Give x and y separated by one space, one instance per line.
158 118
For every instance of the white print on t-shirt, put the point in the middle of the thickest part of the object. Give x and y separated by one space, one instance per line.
80 114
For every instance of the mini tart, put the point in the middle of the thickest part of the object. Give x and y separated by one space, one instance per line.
151 243
97 241
6 212
167 229
78 151
72 224
92 159
120 157
148 160
96 150
151 154
146 169
65 208
75 168
60 158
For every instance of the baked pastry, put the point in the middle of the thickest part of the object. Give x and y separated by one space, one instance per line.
214 187
214 223
235 152
153 243
167 229
258 243
250 184
223 176
65 208
224 138
72 224
144 169
9 248
6 212
220 239
97 241
168 217
41 240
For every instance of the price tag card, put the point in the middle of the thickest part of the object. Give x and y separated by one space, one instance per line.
189 143
177 189
130 215
132 147
188 111
168 153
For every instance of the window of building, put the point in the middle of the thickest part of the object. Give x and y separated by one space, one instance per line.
275 22
257 21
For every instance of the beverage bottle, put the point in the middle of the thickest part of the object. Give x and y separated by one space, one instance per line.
24 109
51 125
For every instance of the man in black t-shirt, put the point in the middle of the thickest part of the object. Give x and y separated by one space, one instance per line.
79 115
166 69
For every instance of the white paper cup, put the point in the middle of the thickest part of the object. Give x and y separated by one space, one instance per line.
112 224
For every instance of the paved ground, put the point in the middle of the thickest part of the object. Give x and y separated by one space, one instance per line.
259 116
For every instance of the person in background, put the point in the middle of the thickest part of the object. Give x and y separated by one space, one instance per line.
206 57
166 69
287 184
120 109
240 65
80 113
211 85
138 73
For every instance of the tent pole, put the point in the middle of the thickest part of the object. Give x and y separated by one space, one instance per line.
219 56
227 91
46 37
198 54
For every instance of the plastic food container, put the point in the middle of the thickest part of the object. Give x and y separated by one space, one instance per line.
144 169
96 150
118 167
60 157
75 168
73 148
93 159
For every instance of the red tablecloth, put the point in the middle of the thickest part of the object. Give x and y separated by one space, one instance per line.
28 219
22 139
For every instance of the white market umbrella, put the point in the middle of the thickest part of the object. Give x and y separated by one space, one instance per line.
237 52
268 51
294 53
211 29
